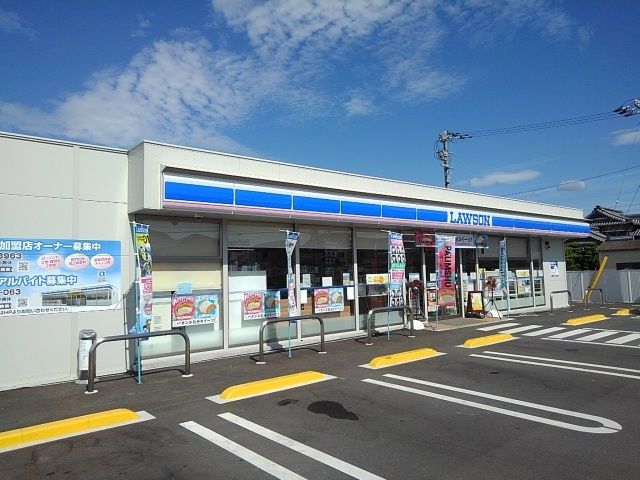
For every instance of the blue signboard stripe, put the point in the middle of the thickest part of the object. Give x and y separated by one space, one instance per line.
360 208
251 198
432 215
314 204
390 211
198 193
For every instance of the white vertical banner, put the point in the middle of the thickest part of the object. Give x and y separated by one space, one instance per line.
290 245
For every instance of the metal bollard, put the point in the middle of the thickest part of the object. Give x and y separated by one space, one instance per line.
86 338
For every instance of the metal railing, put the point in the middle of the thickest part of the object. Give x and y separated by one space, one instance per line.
134 336
290 320
586 297
373 311
560 291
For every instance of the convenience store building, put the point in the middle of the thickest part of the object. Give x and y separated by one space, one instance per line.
217 227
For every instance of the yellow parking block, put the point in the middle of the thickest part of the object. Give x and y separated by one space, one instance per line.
66 427
487 340
402 357
587 319
260 387
623 312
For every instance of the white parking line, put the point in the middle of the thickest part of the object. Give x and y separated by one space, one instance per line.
520 329
607 425
549 362
596 336
571 333
310 452
625 339
245 454
543 331
496 327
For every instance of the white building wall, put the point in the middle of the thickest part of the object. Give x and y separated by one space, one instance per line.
552 251
52 189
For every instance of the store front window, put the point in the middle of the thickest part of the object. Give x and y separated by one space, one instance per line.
538 273
521 282
326 279
257 282
185 252
373 277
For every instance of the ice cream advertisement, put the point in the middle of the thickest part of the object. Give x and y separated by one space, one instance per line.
265 304
188 310
328 300
44 275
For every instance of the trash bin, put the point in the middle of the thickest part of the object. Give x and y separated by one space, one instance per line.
86 338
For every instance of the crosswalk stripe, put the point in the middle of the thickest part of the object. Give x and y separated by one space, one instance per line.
245 454
310 452
595 336
496 327
625 339
570 333
520 329
543 331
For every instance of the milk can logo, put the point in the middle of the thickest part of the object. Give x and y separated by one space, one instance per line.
470 218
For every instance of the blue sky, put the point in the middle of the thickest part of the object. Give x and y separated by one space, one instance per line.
361 86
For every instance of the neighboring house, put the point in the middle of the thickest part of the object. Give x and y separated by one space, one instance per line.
620 237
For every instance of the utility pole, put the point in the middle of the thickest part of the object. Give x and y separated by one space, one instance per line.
444 154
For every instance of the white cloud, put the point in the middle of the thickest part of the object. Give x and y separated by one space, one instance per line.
358 104
180 91
186 91
571 186
142 28
11 22
510 178
625 137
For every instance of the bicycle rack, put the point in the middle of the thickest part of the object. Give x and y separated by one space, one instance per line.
134 336
290 320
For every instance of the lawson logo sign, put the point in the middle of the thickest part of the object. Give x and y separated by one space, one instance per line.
469 218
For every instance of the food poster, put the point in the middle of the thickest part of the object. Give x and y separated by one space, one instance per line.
328 300
145 279
206 310
183 309
377 278
446 258
253 305
271 303
58 275
264 304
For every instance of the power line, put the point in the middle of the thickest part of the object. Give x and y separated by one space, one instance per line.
543 125
579 180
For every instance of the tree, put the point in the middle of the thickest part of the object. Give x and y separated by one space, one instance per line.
581 255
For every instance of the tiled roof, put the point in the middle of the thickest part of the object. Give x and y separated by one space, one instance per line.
619 245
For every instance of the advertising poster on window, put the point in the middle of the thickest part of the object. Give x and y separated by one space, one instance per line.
425 240
204 310
397 265
145 279
183 310
290 245
446 258
58 275
264 304
328 300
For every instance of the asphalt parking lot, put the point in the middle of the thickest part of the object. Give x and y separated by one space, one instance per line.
555 401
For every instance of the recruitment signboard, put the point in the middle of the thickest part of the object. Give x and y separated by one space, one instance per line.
55 275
